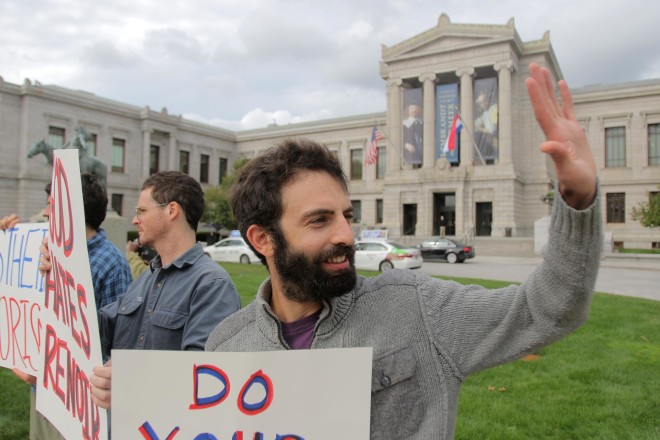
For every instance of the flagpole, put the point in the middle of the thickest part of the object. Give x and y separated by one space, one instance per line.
386 135
474 144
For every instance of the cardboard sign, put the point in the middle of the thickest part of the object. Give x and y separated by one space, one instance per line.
373 234
70 342
284 395
21 296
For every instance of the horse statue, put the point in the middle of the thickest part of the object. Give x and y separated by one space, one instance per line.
42 147
88 164
93 165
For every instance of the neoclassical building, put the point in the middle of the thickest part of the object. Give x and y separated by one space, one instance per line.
487 188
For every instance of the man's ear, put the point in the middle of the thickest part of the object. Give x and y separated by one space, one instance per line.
261 240
173 210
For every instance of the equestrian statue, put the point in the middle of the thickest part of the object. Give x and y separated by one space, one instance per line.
88 163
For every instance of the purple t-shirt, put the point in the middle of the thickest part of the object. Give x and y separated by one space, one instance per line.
298 334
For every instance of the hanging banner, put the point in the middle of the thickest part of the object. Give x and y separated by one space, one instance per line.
446 104
283 395
486 117
413 129
70 342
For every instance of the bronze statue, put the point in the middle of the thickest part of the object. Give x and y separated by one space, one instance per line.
88 164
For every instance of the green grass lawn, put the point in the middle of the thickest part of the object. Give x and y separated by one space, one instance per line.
639 251
602 382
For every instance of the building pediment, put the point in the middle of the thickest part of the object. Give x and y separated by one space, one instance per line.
447 37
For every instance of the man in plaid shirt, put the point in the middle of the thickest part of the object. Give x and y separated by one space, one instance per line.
111 274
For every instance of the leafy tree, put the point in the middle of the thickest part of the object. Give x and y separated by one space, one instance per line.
218 211
648 213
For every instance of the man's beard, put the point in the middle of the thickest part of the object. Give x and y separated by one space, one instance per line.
306 280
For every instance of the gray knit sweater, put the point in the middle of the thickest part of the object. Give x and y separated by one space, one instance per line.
428 334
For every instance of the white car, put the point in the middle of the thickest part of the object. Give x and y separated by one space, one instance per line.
232 250
382 255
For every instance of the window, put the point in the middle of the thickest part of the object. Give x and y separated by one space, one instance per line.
615 147
118 152
184 161
204 168
92 144
379 211
222 165
382 163
154 159
56 136
616 207
356 164
654 144
357 211
117 203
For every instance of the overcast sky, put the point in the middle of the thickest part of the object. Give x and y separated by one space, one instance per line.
241 64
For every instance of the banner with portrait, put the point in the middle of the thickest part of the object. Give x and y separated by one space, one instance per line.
446 105
413 128
486 116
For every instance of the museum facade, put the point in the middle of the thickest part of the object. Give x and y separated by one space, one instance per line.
488 182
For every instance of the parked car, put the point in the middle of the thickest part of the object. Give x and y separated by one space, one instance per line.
232 250
451 251
385 254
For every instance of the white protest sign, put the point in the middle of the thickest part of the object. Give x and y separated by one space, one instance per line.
70 342
21 296
374 234
283 395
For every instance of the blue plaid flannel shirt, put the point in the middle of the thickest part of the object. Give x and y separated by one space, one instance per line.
110 272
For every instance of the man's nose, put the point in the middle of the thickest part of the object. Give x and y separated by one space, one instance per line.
343 233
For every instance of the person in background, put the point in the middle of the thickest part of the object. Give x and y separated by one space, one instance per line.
292 206
138 257
177 302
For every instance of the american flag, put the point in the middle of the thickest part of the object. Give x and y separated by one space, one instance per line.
372 153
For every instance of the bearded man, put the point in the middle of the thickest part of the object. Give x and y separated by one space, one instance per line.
292 206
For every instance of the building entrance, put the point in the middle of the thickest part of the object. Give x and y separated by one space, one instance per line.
444 214
409 218
484 219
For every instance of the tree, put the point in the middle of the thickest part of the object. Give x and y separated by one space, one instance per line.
648 213
217 210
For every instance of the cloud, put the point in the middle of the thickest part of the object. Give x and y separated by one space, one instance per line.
243 63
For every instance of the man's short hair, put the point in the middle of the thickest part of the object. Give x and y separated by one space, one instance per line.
175 186
95 200
256 197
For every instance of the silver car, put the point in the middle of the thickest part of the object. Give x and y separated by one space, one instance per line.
232 250
382 255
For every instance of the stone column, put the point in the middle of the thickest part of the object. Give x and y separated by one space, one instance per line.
504 70
467 111
146 149
193 162
394 125
171 154
428 82
214 167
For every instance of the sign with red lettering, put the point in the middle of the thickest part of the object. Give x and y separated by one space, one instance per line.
21 296
276 395
70 342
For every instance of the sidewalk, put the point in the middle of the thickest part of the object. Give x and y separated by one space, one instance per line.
619 274
632 261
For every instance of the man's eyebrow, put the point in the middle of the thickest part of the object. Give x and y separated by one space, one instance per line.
323 211
319 211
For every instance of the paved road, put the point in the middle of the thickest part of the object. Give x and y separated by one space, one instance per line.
618 277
